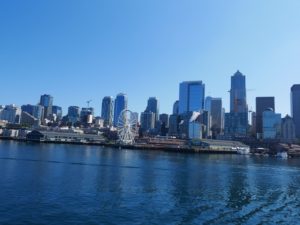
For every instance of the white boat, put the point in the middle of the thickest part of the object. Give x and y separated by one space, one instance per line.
243 150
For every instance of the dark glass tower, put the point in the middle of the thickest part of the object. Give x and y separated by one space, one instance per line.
262 104
295 107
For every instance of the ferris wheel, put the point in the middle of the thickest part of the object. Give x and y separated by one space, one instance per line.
127 127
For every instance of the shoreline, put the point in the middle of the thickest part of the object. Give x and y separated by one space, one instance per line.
131 147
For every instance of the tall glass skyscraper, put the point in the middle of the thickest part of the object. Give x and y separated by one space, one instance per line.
238 99
295 107
121 103
47 102
107 110
236 122
153 106
191 96
57 110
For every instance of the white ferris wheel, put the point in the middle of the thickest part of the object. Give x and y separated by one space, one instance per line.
127 127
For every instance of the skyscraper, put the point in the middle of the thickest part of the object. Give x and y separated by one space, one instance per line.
295 107
74 114
121 103
153 106
236 122
191 96
47 102
57 110
176 108
238 100
147 121
262 104
216 113
107 110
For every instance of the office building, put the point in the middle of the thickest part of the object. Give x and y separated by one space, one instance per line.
74 114
11 114
236 122
288 130
121 103
47 102
271 124
57 110
107 110
147 121
176 108
173 125
262 104
295 107
153 106
191 96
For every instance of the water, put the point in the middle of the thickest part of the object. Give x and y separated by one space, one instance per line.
67 184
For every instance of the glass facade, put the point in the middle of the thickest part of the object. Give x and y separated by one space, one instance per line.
121 103
74 114
238 102
47 102
295 107
107 110
262 104
271 125
191 96
153 106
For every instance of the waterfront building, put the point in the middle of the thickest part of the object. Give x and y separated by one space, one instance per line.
191 96
147 121
295 107
236 122
107 110
121 103
57 110
173 125
47 102
176 108
262 104
195 130
253 123
28 120
288 130
11 114
36 111
271 124
87 115
74 114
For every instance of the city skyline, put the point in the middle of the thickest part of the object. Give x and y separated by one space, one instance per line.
147 49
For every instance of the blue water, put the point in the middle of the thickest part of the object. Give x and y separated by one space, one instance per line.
68 184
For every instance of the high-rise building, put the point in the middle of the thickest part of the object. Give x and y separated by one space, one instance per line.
57 110
47 102
176 108
153 106
191 96
295 107
121 103
262 104
238 99
271 124
288 130
107 110
147 121
173 125
36 111
87 115
74 114
11 114
236 122
215 109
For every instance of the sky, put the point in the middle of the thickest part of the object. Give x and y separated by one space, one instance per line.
79 50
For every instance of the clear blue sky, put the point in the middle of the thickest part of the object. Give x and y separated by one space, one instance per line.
80 50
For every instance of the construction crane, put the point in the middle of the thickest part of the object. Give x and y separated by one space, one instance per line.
88 103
